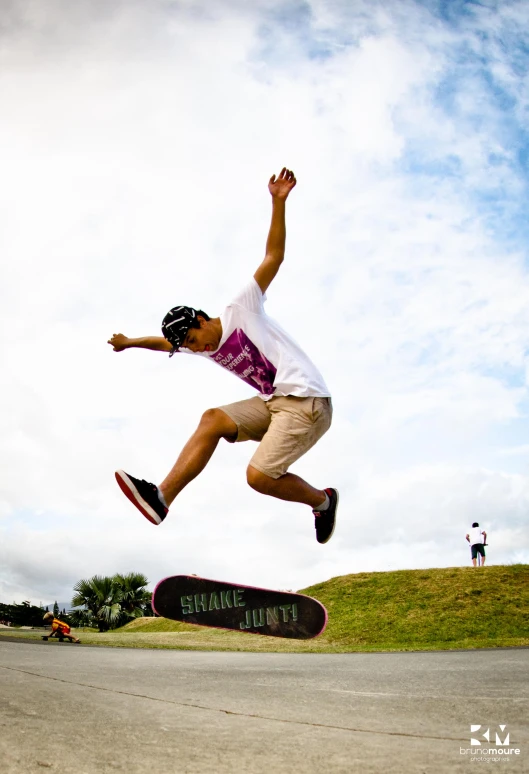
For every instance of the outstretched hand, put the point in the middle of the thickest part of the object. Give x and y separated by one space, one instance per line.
281 186
119 342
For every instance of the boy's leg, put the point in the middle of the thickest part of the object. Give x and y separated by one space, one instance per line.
296 425
324 502
197 452
222 422
287 487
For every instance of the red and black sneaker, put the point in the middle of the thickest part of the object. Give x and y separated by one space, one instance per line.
325 521
144 495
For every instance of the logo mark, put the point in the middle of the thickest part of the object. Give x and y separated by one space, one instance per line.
486 734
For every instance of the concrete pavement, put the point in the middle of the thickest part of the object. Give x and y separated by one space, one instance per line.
92 710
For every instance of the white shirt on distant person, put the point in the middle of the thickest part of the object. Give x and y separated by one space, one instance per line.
476 535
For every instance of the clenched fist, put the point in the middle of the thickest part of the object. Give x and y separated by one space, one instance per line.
119 341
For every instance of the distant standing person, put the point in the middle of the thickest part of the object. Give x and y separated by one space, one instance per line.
477 539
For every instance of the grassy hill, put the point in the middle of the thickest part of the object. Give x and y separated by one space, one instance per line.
440 609
459 607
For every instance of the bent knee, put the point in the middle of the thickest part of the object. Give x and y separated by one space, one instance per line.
219 423
212 416
252 477
257 480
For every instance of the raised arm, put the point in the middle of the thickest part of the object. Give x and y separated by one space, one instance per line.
157 343
275 244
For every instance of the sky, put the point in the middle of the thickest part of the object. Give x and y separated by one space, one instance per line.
136 143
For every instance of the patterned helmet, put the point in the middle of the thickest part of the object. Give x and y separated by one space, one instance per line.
176 324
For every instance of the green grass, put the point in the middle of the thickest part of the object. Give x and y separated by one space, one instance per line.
440 609
457 607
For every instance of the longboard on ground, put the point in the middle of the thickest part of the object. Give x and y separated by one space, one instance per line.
61 639
222 605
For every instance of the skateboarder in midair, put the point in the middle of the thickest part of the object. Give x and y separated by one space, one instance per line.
291 413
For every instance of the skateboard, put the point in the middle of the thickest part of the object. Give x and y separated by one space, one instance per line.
222 605
61 639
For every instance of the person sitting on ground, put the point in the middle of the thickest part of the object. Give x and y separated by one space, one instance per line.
59 628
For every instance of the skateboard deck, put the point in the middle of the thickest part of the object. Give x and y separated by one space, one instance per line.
222 605
61 639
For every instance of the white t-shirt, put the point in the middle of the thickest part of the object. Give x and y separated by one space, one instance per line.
476 535
257 350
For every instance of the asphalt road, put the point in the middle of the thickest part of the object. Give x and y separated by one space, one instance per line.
90 710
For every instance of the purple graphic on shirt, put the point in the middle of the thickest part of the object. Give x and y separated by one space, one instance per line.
240 356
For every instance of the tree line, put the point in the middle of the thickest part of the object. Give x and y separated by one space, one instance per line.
24 614
102 602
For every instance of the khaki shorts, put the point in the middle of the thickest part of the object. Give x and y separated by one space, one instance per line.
285 426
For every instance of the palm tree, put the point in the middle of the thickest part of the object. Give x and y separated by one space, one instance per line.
100 596
112 601
134 597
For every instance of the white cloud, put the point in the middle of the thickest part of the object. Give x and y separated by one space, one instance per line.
138 140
